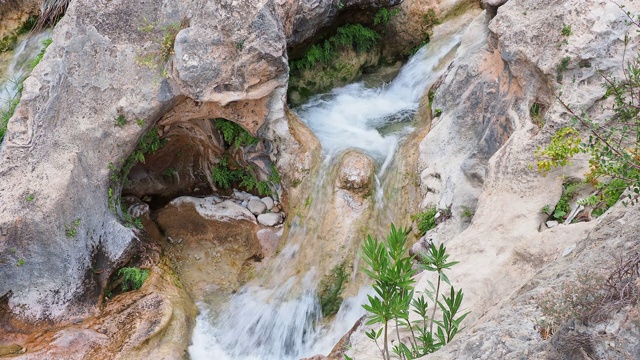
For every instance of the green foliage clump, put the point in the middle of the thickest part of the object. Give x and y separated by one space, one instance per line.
565 143
356 36
132 278
608 194
566 30
329 290
383 16
223 176
391 268
234 133
426 220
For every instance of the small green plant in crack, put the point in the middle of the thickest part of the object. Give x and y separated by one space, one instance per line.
566 30
329 290
467 212
30 197
158 57
564 65
426 220
132 278
120 121
383 16
20 262
437 112
71 230
234 134
140 123
240 45
535 112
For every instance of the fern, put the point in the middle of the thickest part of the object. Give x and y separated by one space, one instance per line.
133 278
233 133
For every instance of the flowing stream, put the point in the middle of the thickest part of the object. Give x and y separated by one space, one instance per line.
278 315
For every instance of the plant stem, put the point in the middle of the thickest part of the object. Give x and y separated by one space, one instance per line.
398 334
386 346
435 304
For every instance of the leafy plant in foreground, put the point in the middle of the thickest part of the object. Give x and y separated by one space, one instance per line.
389 265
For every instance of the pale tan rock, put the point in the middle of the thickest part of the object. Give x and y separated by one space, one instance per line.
355 173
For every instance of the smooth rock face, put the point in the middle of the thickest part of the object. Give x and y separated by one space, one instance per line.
355 172
270 219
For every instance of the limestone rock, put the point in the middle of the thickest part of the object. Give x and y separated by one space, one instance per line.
355 172
208 208
268 202
222 236
270 219
256 207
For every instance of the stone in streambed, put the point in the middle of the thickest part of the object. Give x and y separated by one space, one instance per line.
270 219
268 201
256 207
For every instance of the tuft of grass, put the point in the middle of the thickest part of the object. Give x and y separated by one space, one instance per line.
71 230
158 57
566 30
120 121
30 197
425 220
467 212
132 278
20 262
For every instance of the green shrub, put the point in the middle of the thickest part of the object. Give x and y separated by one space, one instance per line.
425 220
132 278
613 144
566 30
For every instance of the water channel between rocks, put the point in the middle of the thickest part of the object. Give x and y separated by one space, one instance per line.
277 315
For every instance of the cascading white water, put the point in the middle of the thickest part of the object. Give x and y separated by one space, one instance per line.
20 66
284 322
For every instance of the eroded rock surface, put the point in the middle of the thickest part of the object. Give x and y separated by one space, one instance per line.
115 59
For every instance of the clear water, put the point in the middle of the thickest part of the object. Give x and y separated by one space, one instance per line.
278 316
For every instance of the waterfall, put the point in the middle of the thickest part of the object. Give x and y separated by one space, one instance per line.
278 316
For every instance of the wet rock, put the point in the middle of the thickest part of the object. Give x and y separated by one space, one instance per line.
271 219
268 201
256 207
217 239
269 239
355 173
